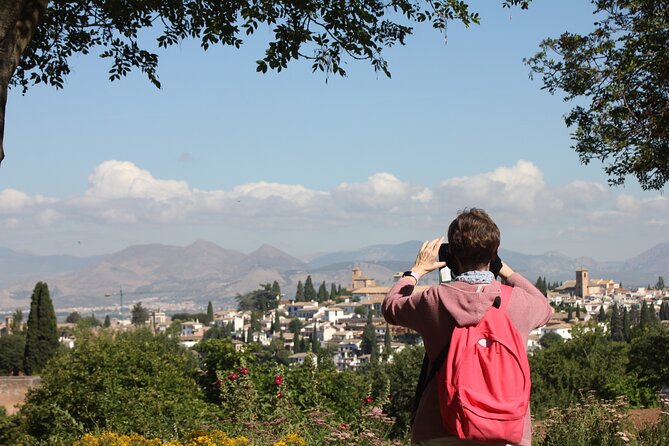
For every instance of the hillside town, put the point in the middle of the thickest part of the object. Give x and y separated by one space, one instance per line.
297 328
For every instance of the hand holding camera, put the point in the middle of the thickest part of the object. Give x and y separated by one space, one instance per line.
427 259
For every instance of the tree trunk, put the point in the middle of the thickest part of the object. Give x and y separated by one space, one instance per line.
18 21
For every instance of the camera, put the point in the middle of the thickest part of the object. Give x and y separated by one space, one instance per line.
445 273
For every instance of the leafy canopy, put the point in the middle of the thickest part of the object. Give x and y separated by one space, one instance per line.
322 31
619 76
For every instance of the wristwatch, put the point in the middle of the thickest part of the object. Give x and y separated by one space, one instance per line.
410 273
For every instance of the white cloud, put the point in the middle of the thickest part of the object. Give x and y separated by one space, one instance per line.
296 194
517 197
15 201
516 187
122 179
381 191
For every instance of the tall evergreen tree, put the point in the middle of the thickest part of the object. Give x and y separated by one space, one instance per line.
299 294
333 291
387 343
322 295
635 317
652 316
315 343
107 322
309 290
369 343
578 312
601 317
570 314
276 324
540 284
339 289
616 325
295 327
41 335
210 313
664 311
645 318
659 285
627 326
276 289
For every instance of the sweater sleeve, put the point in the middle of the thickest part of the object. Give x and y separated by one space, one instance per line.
538 308
402 307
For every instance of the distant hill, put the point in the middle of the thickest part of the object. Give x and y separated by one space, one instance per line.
165 275
376 253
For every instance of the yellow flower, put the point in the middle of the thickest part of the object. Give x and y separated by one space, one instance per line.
291 440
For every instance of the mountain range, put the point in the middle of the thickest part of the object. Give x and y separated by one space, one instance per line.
187 277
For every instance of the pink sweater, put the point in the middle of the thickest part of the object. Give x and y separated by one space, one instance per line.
434 313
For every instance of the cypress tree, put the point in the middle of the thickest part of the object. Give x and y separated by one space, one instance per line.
276 289
635 317
570 314
210 314
296 326
333 291
540 284
601 317
322 295
309 290
315 344
652 315
276 325
299 294
42 335
107 322
664 311
627 326
339 289
368 344
387 343
645 318
578 312
616 325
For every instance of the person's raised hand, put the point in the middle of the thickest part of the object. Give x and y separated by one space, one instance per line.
427 258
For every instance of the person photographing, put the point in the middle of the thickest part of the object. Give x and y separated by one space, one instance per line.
474 330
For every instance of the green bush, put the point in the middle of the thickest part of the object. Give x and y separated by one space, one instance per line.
592 423
131 382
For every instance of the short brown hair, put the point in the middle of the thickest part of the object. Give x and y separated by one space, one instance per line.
473 238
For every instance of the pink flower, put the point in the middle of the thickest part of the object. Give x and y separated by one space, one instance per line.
278 380
368 399
243 370
344 426
233 376
279 395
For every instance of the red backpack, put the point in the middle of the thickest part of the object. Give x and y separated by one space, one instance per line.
484 383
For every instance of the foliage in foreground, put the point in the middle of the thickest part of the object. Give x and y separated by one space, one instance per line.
139 383
565 371
131 383
598 423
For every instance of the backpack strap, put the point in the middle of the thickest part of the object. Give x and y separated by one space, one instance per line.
505 296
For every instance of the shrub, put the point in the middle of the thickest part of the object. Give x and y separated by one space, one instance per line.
132 383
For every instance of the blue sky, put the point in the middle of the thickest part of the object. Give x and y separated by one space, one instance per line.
239 158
